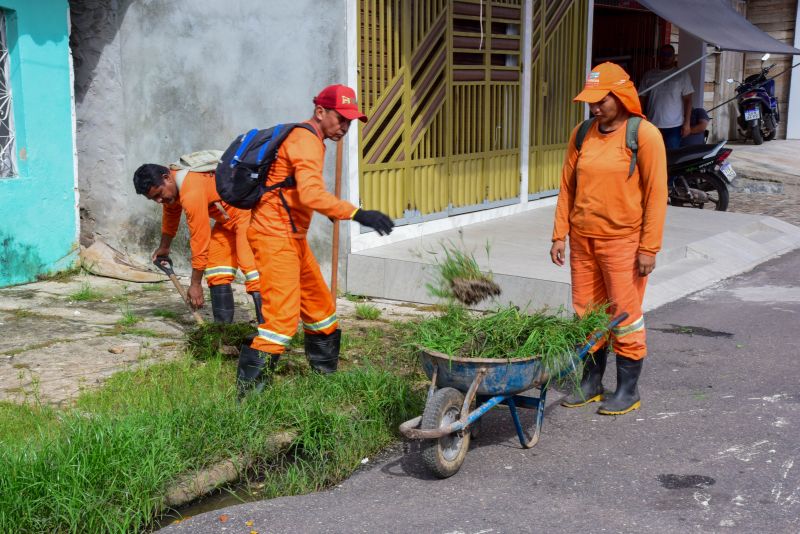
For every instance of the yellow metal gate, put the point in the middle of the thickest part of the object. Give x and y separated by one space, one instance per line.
558 71
440 81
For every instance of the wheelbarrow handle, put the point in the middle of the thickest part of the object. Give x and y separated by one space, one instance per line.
600 333
165 264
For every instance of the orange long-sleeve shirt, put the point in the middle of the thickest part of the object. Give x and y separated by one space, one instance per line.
598 199
301 155
197 197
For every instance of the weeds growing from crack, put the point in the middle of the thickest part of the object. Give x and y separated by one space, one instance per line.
87 294
367 312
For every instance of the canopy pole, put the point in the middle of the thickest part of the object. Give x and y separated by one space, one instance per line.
698 60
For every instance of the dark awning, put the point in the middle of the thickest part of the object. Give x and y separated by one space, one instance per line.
718 24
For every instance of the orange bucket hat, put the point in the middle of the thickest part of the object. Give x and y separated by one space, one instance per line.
610 78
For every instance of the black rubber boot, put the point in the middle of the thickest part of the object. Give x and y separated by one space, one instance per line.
591 389
255 370
322 351
257 303
626 397
222 303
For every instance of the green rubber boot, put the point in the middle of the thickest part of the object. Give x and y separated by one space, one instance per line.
626 398
591 389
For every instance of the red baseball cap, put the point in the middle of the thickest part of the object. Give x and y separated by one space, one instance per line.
342 99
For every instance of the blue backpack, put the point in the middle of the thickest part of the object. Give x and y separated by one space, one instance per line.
241 175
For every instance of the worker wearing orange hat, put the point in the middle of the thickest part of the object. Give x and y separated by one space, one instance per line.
290 277
613 213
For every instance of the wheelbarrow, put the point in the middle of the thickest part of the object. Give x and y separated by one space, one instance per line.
447 423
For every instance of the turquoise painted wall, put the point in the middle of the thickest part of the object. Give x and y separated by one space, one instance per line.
38 232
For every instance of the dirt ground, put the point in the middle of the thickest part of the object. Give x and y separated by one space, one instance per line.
53 344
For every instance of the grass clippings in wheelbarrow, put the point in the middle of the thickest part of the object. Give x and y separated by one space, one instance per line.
460 278
508 333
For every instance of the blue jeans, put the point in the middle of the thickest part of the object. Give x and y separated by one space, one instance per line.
672 137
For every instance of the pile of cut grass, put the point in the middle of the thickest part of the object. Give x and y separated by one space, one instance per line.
104 465
206 340
459 278
508 333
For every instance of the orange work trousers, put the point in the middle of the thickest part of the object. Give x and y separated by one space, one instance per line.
606 271
292 289
227 252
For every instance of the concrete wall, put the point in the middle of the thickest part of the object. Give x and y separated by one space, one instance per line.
160 78
39 229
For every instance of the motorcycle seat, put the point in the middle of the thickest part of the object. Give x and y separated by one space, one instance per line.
679 156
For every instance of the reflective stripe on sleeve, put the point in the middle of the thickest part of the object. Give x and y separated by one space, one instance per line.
221 270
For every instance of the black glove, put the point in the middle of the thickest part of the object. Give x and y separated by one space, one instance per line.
374 219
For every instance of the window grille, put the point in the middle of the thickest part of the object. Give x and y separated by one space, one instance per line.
8 167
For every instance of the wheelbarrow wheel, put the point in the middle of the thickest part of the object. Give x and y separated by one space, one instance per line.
444 456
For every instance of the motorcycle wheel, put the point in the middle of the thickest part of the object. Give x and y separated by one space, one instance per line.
709 183
755 132
770 128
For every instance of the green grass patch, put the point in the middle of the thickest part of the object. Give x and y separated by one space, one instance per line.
157 286
32 346
129 318
167 314
60 276
367 311
104 464
144 332
21 313
355 298
87 293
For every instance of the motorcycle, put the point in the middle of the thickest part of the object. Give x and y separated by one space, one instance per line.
758 108
700 176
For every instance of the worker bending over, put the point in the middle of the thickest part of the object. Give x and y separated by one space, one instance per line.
217 251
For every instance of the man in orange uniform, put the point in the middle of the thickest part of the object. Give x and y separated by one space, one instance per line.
614 216
216 252
291 280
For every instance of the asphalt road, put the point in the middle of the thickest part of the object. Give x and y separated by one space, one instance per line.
714 448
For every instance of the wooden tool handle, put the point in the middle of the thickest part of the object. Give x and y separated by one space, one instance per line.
337 192
185 298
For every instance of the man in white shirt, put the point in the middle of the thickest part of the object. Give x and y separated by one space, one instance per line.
669 105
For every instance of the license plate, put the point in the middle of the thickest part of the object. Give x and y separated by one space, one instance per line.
752 114
728 171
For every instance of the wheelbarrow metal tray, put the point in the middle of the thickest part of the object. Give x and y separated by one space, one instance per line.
503 376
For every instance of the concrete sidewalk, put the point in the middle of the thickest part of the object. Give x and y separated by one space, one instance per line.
700 248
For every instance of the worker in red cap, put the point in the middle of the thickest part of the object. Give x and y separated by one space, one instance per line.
612 205
291 281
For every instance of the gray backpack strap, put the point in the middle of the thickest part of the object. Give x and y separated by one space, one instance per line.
632 140
582 131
